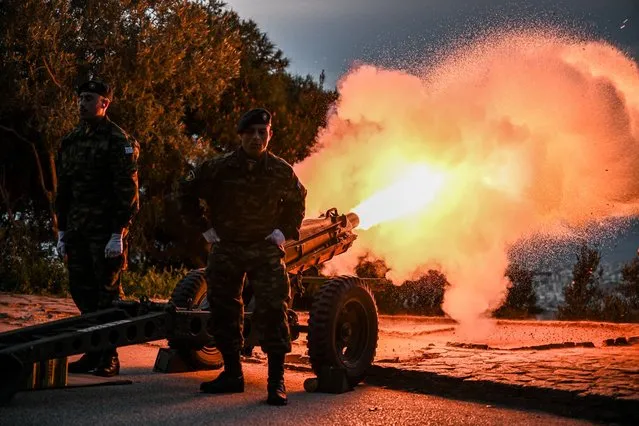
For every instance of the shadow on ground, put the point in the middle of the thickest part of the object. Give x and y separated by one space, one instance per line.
559 402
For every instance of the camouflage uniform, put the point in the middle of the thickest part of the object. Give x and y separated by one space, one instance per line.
97 196
245 201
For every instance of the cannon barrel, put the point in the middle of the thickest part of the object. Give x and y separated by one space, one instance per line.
320 240
353 219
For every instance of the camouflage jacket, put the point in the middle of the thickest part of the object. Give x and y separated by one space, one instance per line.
245 203
97 179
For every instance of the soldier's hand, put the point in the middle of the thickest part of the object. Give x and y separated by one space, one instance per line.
61 247
114 246
276 237
211 236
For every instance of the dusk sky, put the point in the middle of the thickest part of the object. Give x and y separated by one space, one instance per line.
331 34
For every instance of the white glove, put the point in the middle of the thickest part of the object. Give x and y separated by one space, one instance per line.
276 237
211 236
61 247
114 246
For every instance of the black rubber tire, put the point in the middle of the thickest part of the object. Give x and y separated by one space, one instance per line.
343 327
190 293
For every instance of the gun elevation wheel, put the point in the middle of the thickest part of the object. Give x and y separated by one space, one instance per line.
190 293
343 328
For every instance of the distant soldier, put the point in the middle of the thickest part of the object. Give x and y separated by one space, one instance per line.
96 201
254 203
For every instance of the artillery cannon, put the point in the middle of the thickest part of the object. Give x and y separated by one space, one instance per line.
342 327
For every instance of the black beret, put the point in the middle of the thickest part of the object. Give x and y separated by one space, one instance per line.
96 86
254 116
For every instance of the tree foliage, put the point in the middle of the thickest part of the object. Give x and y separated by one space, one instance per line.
521 299
370 267
583 296
621 303
298 104
422 296
630 282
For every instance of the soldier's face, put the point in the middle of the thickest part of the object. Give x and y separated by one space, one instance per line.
255 139
92 105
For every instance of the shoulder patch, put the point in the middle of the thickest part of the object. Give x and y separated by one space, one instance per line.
128 149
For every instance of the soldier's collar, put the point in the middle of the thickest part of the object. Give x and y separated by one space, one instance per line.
102 125
242 158
97 126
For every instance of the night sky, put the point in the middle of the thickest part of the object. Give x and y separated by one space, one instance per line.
332 34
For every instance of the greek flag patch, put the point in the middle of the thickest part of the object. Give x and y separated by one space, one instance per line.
128 150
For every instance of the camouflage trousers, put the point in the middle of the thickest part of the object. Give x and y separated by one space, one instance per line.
263 265
94 281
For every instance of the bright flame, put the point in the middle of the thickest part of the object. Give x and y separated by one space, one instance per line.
410 194
534 131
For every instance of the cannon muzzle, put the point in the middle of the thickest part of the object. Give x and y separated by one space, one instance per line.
320 240
353 219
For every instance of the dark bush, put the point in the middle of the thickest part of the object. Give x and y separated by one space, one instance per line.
153 282
28 265
423 296
521 300
583 297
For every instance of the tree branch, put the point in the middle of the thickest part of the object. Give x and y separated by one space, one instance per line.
48 194
46 65
5 196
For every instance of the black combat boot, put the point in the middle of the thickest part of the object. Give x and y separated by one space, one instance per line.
87 363
109 364
231 380
275 385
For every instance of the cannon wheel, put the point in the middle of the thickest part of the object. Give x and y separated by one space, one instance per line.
343 328
190 293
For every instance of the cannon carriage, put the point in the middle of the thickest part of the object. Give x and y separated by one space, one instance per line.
342 328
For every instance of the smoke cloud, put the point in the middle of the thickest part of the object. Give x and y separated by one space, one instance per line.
533 132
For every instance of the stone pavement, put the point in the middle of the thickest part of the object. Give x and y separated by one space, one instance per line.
606 371
22 310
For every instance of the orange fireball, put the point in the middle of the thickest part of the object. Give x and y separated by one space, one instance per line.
411 193
519 133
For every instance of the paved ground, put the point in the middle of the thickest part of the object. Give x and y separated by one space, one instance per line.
174 399
571 364
612 372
